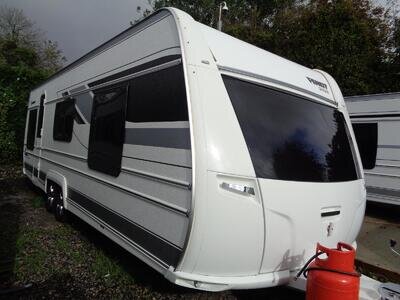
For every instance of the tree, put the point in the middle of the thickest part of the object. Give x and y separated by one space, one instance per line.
16 27
26 59
350 39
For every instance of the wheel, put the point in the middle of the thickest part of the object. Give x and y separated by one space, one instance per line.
59 210
50 198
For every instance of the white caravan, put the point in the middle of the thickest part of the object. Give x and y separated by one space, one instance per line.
217 163
376 124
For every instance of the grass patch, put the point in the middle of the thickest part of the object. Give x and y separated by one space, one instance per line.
31 255
105 267
37 202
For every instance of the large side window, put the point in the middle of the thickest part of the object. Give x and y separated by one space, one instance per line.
290 137
158 97
30 138
367 141
64 120
40 120
107 130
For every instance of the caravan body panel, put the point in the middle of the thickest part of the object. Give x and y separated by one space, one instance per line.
376 121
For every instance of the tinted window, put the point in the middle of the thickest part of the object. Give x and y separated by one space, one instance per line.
367 140
107 130
64 120
40 121
30 138
158 97
290 138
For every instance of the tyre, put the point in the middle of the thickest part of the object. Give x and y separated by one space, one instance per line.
50 197
59 210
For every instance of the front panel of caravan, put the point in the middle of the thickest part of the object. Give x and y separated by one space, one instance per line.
244 224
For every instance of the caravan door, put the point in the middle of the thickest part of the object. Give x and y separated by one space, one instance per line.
32 147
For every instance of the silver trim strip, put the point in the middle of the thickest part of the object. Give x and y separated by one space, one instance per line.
382 191
264 78
163 179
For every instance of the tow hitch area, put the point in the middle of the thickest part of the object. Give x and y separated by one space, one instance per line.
330 274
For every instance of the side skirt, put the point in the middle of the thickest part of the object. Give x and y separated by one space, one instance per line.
147 242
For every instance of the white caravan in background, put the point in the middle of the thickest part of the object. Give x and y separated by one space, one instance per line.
376 124
217 163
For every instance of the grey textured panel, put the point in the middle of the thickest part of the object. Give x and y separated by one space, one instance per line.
178 138
84 103
170 156
183 174
383 191
389 146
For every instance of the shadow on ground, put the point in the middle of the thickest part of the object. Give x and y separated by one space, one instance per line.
388 212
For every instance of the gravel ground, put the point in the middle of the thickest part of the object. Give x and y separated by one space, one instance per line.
41 259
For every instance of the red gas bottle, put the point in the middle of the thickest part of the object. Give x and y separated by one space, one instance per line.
333 277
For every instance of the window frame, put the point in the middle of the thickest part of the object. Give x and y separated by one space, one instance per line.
92 161
248 131
361 149
40 117
31 135
134 103
60 134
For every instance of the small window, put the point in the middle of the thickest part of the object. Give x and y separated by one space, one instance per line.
107 130
40 121
30 139
64 120
367 141
158 97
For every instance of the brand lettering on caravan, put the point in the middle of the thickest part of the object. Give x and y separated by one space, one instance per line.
318 83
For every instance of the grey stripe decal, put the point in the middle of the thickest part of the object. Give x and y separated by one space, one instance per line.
165 251
156 201
389 146
233 70
178 138
383 191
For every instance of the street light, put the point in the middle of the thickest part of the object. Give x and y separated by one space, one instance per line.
222 7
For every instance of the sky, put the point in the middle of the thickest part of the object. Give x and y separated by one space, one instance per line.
79 26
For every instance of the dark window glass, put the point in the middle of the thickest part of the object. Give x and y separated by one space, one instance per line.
367 140
64 120
30 138
158 97
40 121
107 130
291 138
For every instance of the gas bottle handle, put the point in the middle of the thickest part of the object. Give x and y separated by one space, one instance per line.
341 246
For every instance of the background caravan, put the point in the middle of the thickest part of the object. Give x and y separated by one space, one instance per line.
217 163
376 123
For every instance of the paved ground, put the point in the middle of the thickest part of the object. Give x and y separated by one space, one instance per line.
381 223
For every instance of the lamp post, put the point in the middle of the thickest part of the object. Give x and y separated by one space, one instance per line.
222 7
